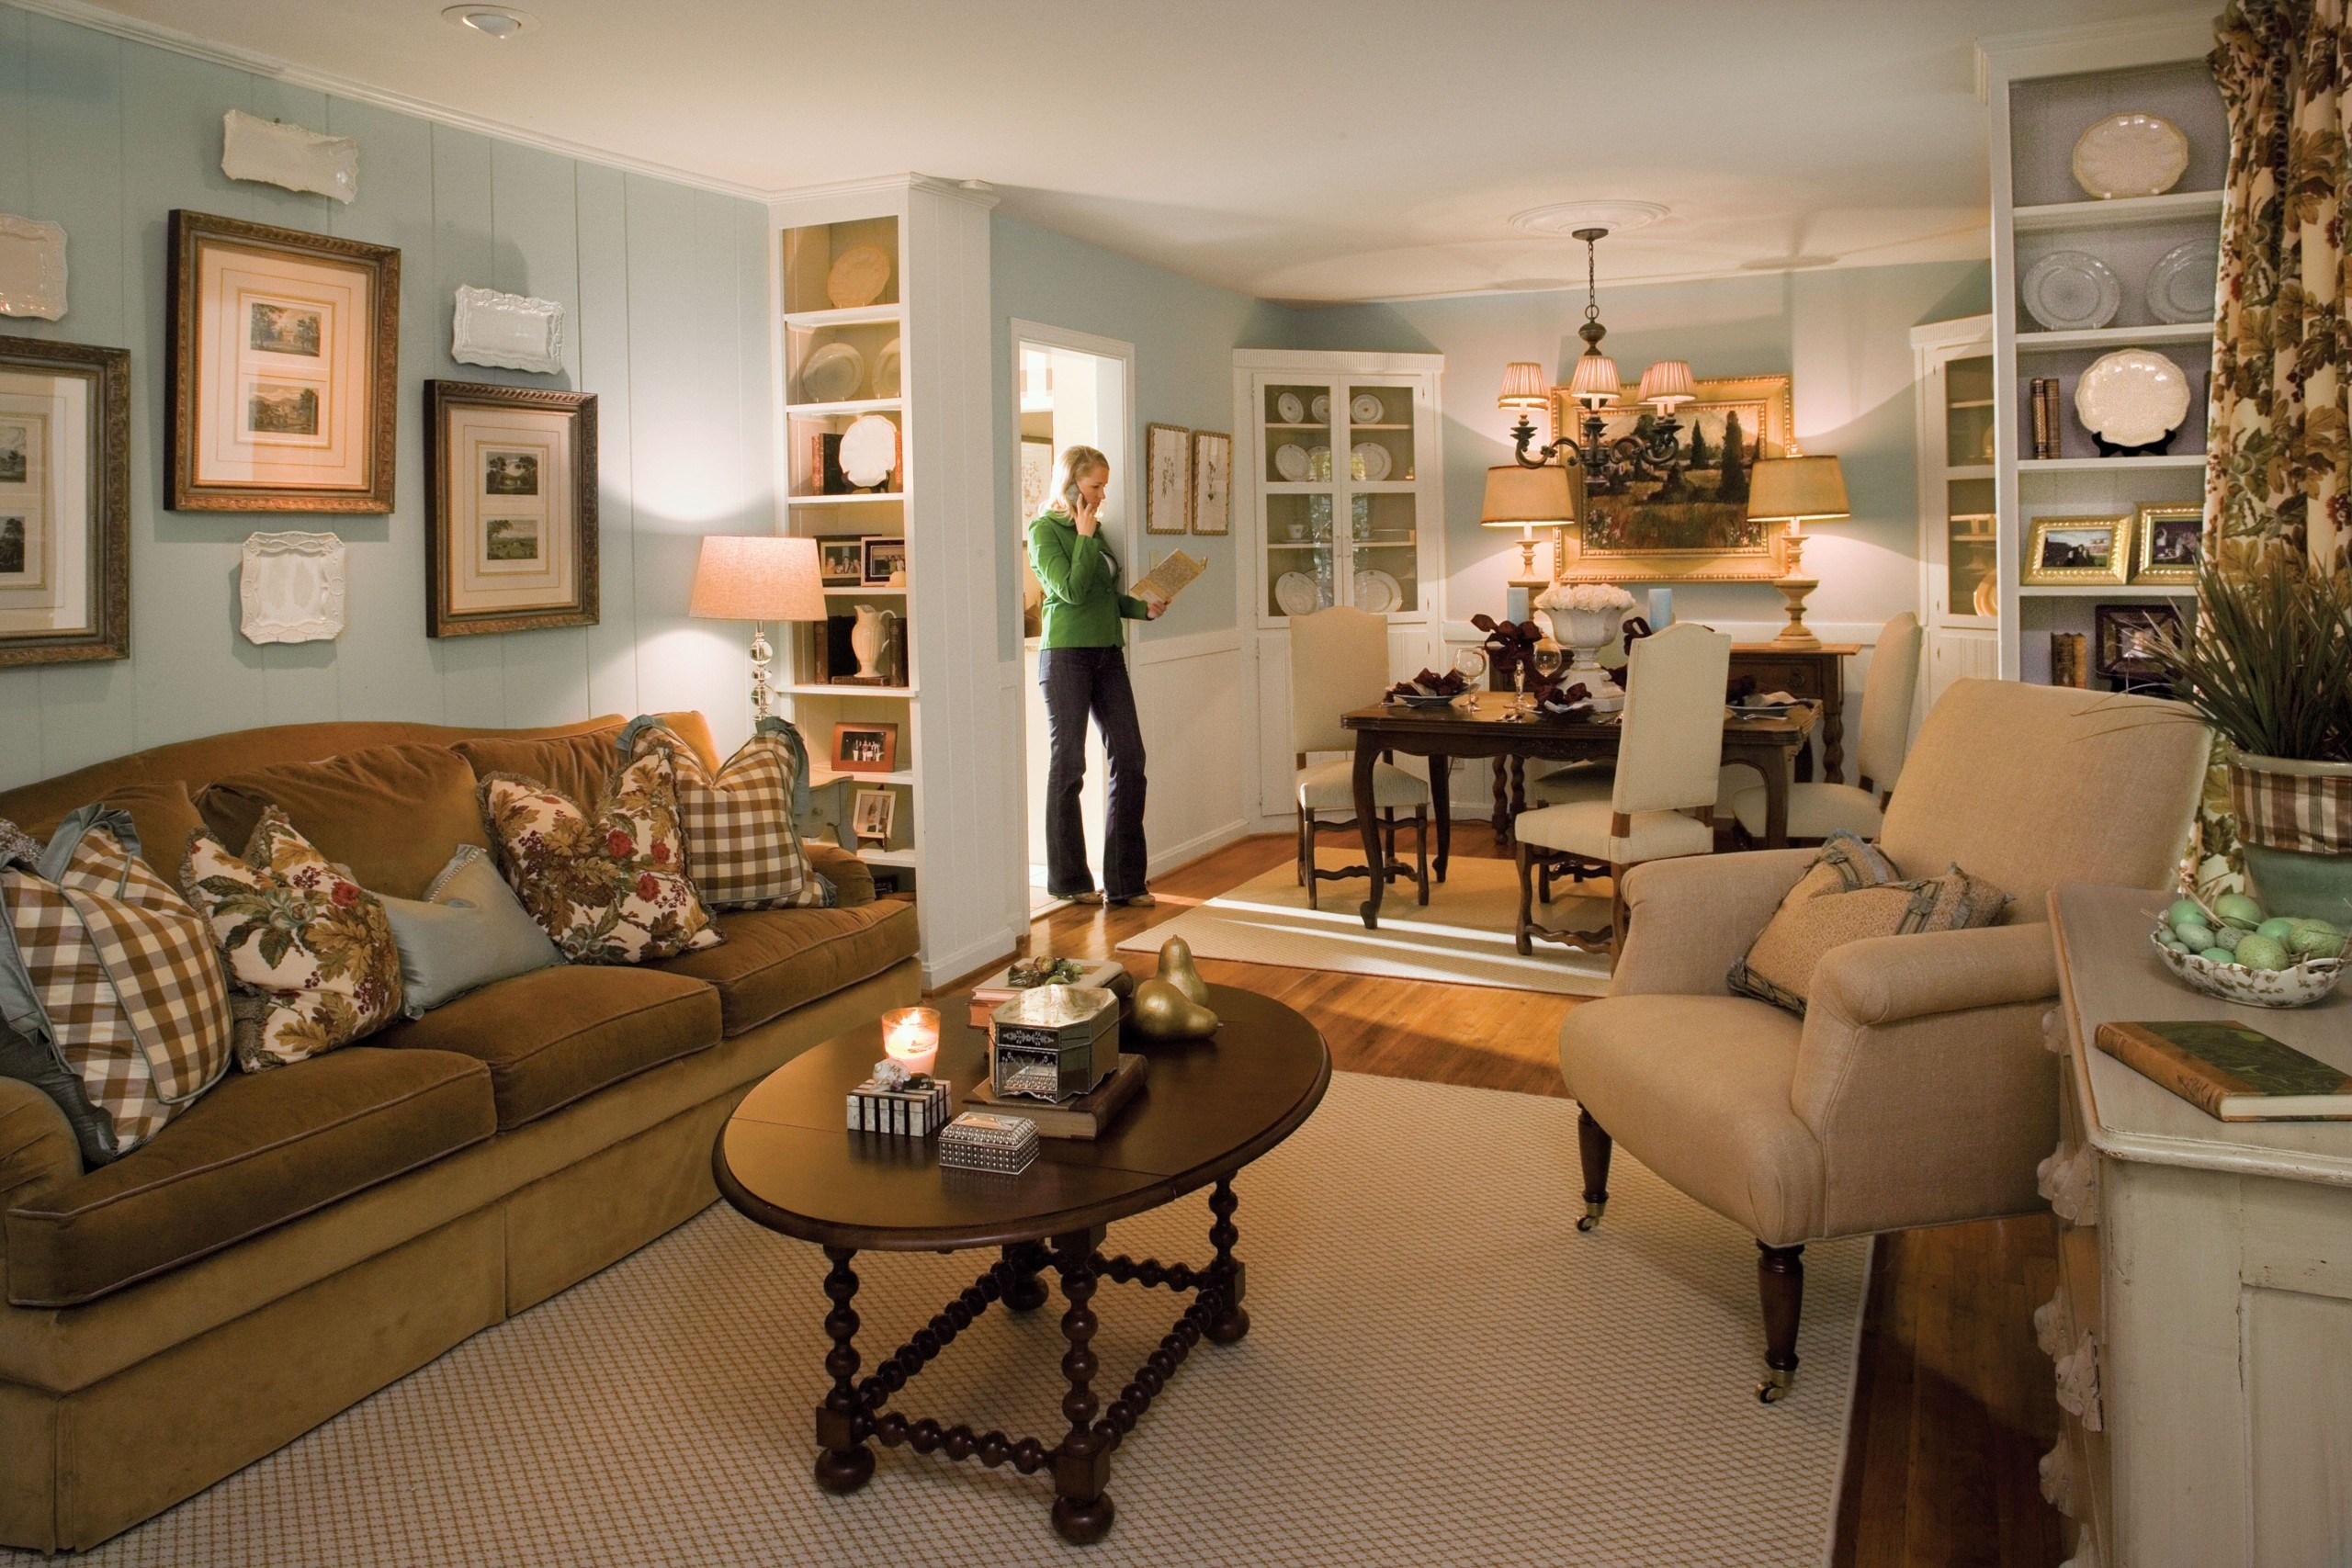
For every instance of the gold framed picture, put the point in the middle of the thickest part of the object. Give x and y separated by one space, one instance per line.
1212 482
284 362
1167 479
1692 527
2167 542
2078 550
64 502
510 537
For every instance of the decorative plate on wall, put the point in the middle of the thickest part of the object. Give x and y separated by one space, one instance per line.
2069 290
2131 154
291 587
32 268
860 275
869 450
2184 286
2132 397
514 331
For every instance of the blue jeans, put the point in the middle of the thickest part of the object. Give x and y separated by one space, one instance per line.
1078 682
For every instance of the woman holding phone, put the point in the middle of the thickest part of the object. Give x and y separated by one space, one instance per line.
1083 669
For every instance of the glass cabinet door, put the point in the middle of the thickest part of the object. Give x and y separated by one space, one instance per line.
1341 484
1304 542
1299 553
1968 413
1972 536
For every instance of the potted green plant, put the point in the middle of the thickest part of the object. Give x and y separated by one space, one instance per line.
2268 665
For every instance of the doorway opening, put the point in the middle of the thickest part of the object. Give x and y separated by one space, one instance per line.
1070 390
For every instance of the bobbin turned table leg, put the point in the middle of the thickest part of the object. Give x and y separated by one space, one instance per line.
844 1461
1025 1290
1229 1278
1082 1509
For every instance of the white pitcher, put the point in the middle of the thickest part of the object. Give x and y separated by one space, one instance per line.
870 637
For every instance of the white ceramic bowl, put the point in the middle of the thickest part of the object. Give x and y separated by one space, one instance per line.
2298 985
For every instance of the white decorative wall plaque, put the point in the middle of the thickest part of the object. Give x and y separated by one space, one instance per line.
513 330
32 268
279 154
291 587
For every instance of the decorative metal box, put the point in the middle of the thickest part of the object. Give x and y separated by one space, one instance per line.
910 1108
979 1141
1053 1043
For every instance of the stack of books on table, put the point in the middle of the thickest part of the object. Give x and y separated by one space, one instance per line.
1054 1058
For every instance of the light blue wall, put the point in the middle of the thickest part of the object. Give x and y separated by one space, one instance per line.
1184 333
666 296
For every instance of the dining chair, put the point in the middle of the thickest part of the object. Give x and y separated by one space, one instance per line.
1818 810
1661 800
1339 662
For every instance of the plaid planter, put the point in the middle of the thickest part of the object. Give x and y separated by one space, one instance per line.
2309 813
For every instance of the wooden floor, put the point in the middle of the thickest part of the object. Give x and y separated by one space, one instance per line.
1953 1402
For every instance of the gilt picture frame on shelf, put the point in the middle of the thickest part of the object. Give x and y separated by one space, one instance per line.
1212 482
1167 479
284 363
1694 528
2167 543
64 502
510 536
2061 550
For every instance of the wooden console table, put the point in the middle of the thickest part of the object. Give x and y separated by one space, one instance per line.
1818 674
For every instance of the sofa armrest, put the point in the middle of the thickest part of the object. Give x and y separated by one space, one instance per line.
1695 917
852 878
1885 979
37 1147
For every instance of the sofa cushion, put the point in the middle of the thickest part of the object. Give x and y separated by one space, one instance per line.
579 766
161 813
261 1149
773 960
553 1035
392 814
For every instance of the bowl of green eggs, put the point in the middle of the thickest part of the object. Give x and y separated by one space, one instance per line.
2231 949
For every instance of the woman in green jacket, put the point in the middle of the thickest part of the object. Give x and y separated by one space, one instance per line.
1083 669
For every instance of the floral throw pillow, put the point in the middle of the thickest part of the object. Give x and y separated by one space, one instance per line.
309 950
608 886
743 849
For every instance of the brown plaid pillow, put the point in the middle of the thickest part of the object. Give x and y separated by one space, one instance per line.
742 850
116 976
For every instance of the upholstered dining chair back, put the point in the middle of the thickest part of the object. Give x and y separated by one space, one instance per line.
1886 701
1673 742
2028 786
1339 662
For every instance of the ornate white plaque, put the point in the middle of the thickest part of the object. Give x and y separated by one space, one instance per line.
513 330
278 154
32 268
291 587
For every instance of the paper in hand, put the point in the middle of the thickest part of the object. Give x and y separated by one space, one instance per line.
1170 577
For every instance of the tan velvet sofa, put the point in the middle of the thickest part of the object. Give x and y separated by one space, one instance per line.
301 1237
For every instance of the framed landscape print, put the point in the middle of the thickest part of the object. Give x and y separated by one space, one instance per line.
284 363
1212 482
510 537
64 502
2078 550
1167 479
1694 525
2169 542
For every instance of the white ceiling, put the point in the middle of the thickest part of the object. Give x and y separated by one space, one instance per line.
1302 150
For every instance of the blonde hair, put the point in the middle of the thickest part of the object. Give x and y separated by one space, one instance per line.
1075 464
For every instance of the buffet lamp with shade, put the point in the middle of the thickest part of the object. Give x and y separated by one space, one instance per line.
1528 499
756 577
1797 491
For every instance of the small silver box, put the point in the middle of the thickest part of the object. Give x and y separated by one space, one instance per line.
980 1139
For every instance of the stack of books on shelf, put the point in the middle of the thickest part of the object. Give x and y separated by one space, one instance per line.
2069 658
2046 417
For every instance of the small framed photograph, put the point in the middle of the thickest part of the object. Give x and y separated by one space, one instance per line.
1212 482
1167 479
864 748
64 502
510 526
2169 542
1037 478
841 561
2128 636
883 562
2079 549
873 816
285 358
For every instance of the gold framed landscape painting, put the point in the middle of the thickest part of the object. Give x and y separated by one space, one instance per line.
1692 526
510 537
64 502
284 362
2078 550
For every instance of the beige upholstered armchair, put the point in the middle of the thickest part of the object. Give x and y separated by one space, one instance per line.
1916 1091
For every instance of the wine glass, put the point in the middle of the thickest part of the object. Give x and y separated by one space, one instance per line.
1550 660
1470 663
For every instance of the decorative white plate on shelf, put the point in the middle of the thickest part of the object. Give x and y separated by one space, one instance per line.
2132 397
2068 290
1320 409
1290 461
1294 591
1319 462
869 450
1378 593
2131 154
1291 409
860 275
1372 460
888 369
833 373
1364 408
2185 285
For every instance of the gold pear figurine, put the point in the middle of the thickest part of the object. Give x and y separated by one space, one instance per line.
1176 968
1164 1013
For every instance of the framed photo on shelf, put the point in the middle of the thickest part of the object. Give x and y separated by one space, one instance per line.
1167 479
510 522
883 560
864 748
2127 636
2078 550
1037 478
2169 542
841 561
64 502
284 363
1212 482
875 814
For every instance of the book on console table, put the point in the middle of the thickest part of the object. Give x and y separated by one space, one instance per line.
2230 1070
1085 1117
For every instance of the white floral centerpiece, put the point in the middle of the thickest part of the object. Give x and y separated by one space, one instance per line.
1587 617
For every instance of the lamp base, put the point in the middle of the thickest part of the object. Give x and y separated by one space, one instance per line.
762 657
1797 635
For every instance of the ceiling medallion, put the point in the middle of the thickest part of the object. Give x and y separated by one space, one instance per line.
498 22
1561 219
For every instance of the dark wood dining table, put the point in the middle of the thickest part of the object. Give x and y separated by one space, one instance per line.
1489 725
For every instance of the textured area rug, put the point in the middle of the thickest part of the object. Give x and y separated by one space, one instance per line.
1441 1370
1464 935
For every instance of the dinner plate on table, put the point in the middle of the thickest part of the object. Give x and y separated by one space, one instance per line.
1426 699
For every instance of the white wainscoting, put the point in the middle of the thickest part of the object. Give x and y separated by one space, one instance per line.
1198 728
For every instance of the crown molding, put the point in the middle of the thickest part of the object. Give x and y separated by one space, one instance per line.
2118 44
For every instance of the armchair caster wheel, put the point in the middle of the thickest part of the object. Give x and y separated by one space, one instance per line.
1591 1215
1775 1387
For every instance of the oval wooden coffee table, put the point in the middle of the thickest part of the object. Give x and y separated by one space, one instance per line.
1206 1109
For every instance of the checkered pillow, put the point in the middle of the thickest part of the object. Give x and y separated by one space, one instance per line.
742 850
117 976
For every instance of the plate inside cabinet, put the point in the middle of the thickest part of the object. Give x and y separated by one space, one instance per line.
888 368
1364 408
1988 599
1291 409
1290 461
860 275
1378 593
2132 397
1370 460
2131 154
2184 285
1295 593
869 450
1319 411
833 373
2068 290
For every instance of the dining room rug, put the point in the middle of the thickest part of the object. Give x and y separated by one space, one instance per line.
1464 935
1440 1370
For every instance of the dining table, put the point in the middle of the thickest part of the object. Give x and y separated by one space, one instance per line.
1491 723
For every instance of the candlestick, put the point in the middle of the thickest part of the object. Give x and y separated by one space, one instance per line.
910 1038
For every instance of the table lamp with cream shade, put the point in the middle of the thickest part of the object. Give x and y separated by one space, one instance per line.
756 577
1797 491
1528 499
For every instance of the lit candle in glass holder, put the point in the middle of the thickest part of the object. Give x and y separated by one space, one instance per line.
910 1038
